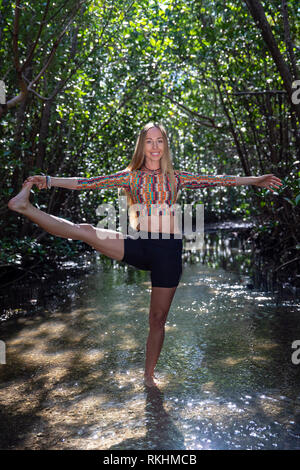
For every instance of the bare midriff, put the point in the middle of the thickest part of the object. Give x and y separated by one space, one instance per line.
159 223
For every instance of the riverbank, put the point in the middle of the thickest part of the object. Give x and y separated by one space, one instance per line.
73 377
228 245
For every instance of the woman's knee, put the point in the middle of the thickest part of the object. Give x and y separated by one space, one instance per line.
89 230
107 242
157 319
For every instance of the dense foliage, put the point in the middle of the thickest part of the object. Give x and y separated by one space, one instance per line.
82 78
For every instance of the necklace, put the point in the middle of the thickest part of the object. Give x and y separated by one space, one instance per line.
150 169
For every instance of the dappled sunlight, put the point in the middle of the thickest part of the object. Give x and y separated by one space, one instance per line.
74 378
230 361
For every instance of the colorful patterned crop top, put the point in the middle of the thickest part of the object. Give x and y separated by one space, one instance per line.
153 187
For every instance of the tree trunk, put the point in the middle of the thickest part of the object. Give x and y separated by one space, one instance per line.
44 128
256 9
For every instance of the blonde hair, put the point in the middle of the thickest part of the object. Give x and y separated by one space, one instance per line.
138 159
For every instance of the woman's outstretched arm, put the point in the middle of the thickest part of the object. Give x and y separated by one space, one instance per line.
265 181
40 182
191 181
116 180
121 179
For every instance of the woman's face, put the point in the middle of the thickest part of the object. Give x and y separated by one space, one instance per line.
154 145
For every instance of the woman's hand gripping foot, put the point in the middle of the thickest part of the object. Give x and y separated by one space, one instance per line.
20 202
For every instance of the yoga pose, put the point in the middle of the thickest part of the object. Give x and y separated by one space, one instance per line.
148 180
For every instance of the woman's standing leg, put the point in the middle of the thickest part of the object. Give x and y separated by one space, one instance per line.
161 299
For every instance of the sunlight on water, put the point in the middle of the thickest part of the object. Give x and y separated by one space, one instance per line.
73 378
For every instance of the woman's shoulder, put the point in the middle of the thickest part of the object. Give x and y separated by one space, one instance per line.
183 173
129 170
125 172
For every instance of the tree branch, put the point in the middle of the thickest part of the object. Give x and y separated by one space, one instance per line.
287 38
52 53
256 9
21 78
285 264
30 55
16 50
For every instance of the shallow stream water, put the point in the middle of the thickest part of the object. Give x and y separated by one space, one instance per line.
73 372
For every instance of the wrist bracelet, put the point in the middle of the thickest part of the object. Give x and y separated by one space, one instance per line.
48 182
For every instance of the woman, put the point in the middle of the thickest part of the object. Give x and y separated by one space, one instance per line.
149 179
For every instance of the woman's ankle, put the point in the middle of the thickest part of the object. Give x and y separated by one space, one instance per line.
149 381
148 375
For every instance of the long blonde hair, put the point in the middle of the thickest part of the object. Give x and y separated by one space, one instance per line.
138 160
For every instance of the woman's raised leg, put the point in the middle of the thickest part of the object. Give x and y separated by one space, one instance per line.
107 242
161 299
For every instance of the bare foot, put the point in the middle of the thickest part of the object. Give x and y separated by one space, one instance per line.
149 381
20 202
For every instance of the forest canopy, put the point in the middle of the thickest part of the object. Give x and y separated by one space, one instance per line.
79 79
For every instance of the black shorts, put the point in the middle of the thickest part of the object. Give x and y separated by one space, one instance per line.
163 257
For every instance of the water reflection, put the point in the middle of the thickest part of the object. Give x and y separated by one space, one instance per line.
222 249
74 372
233 251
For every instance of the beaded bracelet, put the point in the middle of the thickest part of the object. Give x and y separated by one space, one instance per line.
48 182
